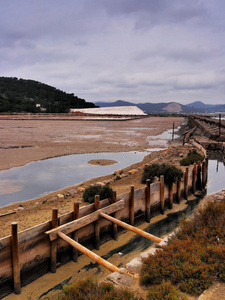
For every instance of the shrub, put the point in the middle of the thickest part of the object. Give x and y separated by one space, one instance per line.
193 258
165 291
90 289
103 192
171 173
192 157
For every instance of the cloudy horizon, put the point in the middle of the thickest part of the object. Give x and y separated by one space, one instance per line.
106 50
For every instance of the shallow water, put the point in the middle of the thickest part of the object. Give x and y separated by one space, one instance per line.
216 175
39 178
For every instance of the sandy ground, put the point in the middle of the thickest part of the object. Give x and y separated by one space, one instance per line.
23 141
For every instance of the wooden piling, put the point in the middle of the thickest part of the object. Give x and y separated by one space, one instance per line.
203 174
186 183
162 206
89 253
114 226
194 177
171 197
75 237
148 201
15 258
132 228
178 191
53 245
131 205
199 180
96 225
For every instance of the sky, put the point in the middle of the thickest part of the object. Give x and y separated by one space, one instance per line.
105 50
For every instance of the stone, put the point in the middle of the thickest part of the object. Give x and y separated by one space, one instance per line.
146 254
60 196
135 265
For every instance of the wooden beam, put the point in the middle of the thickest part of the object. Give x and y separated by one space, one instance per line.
96 224
114 226
132 228
75 217
131 205
77 224
15 258
148 204
162 206
53 244
89 253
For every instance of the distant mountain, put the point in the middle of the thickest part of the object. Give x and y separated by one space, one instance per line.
171 107
22 95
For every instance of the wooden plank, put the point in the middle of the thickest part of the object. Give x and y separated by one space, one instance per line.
76 224
162 205
148 204
75 237
132 228
114 226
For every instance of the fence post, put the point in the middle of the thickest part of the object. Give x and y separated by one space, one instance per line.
171 196
53 245
96 225
75 237
162 206
178 192
15 258
186 183
148 201
114 225
203 174
131 204
194 176
199 181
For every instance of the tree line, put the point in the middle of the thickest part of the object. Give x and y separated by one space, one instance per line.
22 95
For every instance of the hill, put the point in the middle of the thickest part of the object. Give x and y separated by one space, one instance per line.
171 107
21 95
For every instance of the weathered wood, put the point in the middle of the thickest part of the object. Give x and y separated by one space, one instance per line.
194 177
204 174
178 191
162 205
53 245
6 214
131 205
89 253
15 258
148 201
199 180
186 183
96 224
75 237
81 222
170 197
114 215
132 228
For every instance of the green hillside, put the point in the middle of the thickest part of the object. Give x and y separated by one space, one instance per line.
20 95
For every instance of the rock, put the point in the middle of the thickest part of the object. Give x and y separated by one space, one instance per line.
60 196
81 189
131 172
100 184
20 208
135 265
146 254
121 279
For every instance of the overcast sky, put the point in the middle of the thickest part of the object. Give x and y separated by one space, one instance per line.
105 50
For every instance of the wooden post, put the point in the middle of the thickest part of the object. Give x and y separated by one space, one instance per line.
15 258
199 181
178 192
132 228
89 253
53 245
114 226
194 176
148 201
131 204
75 237
203 174
207 165
171 196
162 194
186 183
96 225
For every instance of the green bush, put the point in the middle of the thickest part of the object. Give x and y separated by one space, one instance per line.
192 157
171 173
103 192
90 289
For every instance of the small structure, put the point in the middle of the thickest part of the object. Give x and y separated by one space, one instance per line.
114 110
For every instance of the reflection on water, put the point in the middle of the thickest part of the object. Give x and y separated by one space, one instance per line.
162 139
216 173
39 178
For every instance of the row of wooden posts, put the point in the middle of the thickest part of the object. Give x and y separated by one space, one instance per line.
199 180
